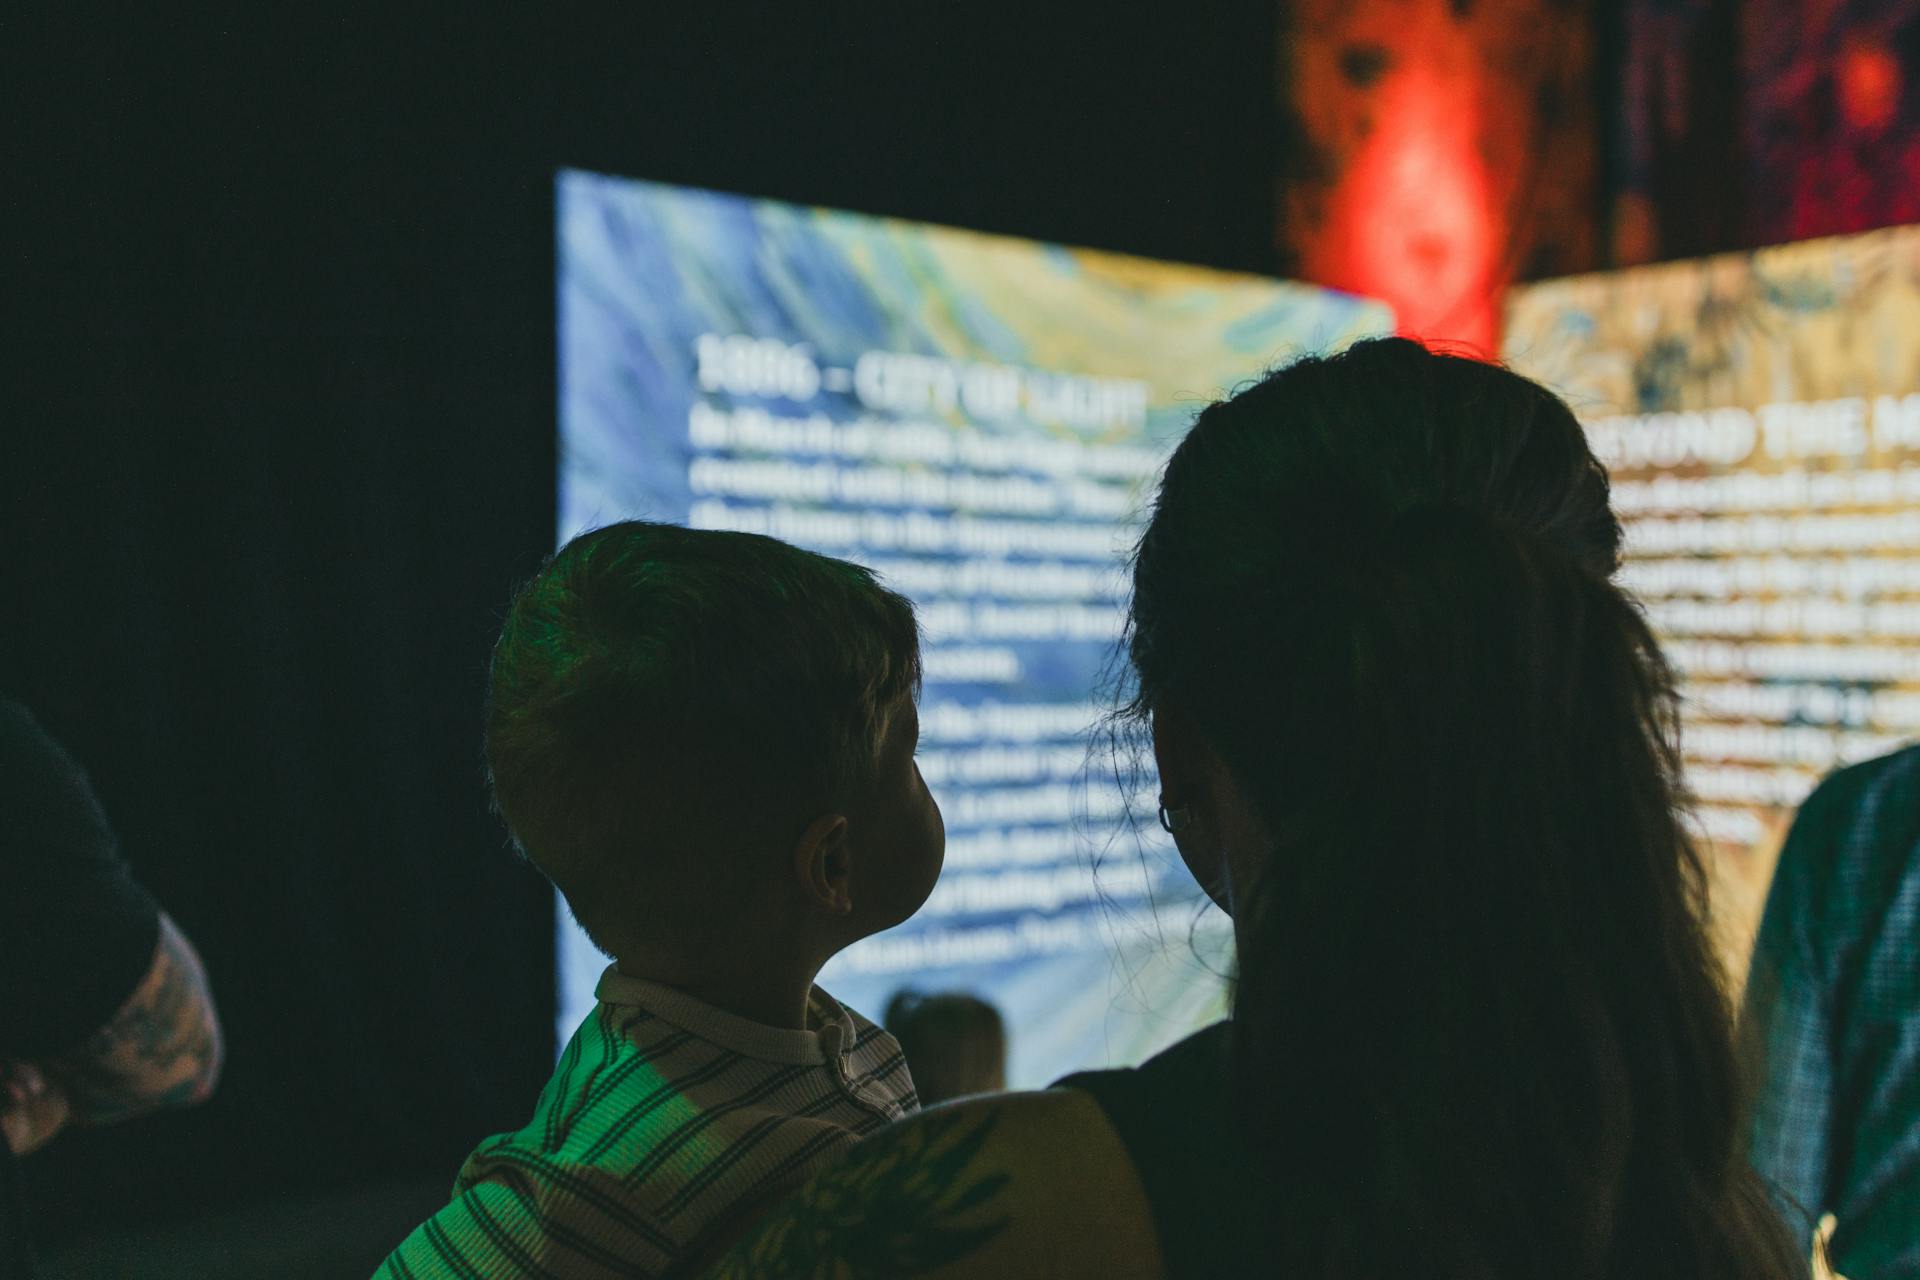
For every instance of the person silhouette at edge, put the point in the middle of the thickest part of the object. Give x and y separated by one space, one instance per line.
105 1012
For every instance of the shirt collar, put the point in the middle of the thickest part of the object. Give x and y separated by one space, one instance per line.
829 1032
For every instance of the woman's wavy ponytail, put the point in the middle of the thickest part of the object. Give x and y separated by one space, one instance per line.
1479 1029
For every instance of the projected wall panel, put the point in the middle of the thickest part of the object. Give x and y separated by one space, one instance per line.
1760 417
979 419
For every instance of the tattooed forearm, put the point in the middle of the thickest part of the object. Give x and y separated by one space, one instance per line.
162 1048
905 1202
32 1108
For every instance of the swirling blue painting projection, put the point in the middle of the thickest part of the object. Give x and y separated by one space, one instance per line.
980 420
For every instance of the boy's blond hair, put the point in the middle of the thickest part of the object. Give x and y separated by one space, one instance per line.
662 701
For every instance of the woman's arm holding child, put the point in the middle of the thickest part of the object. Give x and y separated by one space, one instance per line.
1012 1185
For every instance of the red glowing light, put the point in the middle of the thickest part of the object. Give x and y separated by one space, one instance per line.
1869 82
1411 222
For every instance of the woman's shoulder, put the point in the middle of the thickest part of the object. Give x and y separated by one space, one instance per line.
1004 1185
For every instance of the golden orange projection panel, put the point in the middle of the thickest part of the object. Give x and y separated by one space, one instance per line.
1760 416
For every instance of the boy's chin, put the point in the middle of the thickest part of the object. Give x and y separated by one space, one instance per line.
894 915
882 921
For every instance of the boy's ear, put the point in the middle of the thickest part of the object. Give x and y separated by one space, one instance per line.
822 862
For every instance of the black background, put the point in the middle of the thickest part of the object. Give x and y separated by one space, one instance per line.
278 424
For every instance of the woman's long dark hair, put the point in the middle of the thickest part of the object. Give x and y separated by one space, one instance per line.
1479 1029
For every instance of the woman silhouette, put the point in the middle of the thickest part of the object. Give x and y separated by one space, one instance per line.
1422 749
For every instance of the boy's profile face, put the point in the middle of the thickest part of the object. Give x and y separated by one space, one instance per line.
902 838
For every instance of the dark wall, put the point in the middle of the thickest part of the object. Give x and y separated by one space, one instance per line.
278 417
278 437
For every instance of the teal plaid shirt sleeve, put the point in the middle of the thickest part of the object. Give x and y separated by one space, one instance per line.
1832 1019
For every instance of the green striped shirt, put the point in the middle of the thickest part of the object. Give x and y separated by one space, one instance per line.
666 1123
